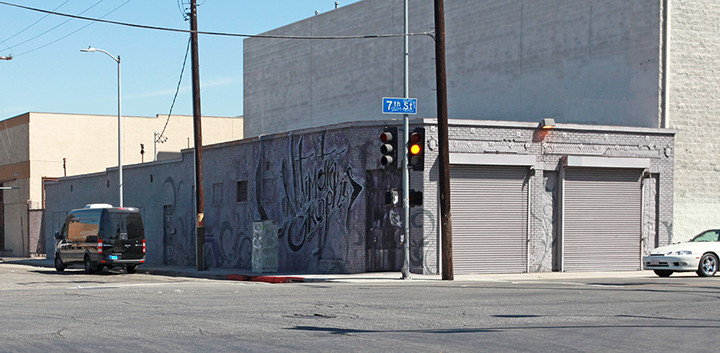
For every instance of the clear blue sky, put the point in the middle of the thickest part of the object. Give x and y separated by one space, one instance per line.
49 73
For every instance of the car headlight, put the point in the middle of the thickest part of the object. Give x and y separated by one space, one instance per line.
680 252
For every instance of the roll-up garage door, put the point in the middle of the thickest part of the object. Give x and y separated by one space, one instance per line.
602 216
489 218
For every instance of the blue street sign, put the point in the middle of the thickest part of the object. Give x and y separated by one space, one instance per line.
399 105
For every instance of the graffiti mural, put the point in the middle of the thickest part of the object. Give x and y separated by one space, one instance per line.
178 230
544 214
319 191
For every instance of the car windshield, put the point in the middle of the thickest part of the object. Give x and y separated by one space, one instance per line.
708 235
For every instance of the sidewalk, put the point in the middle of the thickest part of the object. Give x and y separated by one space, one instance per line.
369 277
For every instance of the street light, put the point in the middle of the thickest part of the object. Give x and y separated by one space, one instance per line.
120 170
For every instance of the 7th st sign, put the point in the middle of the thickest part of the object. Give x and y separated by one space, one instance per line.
399 105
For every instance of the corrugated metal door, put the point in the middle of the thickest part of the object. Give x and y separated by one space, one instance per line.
602 219
489 219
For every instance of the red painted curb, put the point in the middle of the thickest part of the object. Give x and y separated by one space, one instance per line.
266 279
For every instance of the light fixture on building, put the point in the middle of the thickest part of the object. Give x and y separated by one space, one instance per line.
547 123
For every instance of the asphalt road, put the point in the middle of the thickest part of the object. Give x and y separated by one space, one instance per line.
42 311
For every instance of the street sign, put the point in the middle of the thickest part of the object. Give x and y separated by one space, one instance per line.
399 105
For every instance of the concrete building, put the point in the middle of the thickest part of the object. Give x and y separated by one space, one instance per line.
44 146
595 193
641 63
568 199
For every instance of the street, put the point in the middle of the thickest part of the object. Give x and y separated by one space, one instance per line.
43 310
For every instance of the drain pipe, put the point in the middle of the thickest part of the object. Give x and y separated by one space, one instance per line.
665 119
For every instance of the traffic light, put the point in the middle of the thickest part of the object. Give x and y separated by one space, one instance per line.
389 148
392 197
416 198
416 149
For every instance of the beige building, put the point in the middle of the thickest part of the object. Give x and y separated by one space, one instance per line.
41 146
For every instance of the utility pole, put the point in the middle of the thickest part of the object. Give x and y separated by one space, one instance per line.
444 179
197 131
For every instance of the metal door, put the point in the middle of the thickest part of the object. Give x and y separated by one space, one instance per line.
489 218
601 219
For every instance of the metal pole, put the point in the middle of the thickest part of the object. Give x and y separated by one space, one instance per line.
405 171
120 166
197 131
444 158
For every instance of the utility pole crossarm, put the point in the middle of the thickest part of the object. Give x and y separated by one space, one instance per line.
9 57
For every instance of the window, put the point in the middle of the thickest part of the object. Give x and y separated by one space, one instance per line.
241 191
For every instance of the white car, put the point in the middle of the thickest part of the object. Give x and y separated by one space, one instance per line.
699 254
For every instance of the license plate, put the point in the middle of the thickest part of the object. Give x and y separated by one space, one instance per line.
114 257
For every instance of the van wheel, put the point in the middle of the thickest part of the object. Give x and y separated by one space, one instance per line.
89 266
59 265
130 269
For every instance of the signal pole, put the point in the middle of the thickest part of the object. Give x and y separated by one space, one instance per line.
197 131
406 172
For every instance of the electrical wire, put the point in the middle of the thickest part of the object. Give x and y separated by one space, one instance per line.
177 90
181 7
55 27
268 36
36 22
73 32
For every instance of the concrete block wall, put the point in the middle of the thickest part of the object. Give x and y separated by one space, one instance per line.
585 61
311 184
550 147
315 186
694 86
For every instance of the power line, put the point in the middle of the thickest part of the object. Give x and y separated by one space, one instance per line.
55 27
177 89
268 36
73 32
36 22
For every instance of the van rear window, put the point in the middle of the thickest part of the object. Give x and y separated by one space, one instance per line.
122 224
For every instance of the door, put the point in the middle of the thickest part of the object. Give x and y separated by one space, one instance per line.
489 212
384 223
601 219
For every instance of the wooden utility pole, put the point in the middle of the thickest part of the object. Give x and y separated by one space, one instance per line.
197 131
442 117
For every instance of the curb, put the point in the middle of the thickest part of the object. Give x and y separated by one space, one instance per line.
266 279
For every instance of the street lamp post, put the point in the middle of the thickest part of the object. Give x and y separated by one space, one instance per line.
120 168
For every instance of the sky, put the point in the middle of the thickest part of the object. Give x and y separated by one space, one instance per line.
49 73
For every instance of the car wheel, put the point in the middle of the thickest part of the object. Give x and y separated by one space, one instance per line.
131 269
708 265
59 265
89 266
663 273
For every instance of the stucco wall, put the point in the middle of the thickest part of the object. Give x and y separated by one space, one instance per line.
584 61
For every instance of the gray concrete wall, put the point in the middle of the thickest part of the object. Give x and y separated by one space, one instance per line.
584 61
693 110
324 189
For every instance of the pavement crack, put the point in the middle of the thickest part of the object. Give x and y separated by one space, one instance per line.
59 333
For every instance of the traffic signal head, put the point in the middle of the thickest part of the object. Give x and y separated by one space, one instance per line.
416 149
388 149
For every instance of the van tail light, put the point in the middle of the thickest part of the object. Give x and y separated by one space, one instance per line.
143 246
100 246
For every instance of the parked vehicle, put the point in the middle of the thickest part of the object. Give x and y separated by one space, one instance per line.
100 236
699 254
